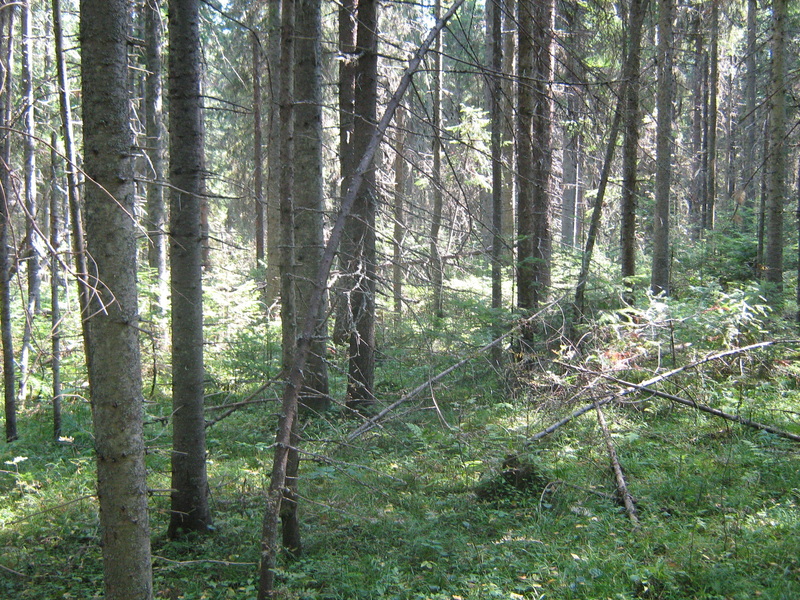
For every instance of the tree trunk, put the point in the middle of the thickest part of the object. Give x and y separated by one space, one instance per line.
190 511
288 413
571 130
156 138
258 160
697 186
32 252
358 246
273 217
749 122
73 182
776 159
436 267
308 193
399 230
713 82
659 281
533 152
494 84
115 365
630 147
56 205
9 367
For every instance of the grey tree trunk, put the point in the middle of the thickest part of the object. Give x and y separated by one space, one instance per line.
535 66
399 229
630 147
697 188
189 507
114 366
494 85
436 267
713 82
56 210
570 188
776 159
258 158
156 140
749 122
73 181
659 280
33 242
9 366
309 201
273 217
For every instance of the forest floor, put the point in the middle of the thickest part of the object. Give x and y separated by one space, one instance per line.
449 498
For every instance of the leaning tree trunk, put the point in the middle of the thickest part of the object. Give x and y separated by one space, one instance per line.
190 511
9 367
659 281
776 159
115 365
289 405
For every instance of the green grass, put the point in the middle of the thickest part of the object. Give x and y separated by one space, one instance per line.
394 514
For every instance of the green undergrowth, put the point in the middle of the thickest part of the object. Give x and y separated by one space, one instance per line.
399 512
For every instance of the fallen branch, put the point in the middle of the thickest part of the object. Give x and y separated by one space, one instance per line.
373 421
622 487
707 409
646 384
226 563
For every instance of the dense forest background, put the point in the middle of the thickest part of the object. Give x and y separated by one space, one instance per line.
434 300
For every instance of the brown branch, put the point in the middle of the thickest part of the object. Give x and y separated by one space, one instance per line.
707 409
622 487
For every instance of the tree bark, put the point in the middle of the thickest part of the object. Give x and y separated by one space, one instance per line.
273 217
358 246
571 131
494 84
33 242
73 182
436 267
115 365
697 189
776 159
749 122
156 139
659 281
56 205
308 190
289 403
9 366
534 152
258 159
630 147
189 506
398 211
713 83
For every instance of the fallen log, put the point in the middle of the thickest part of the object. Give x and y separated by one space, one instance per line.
622 486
